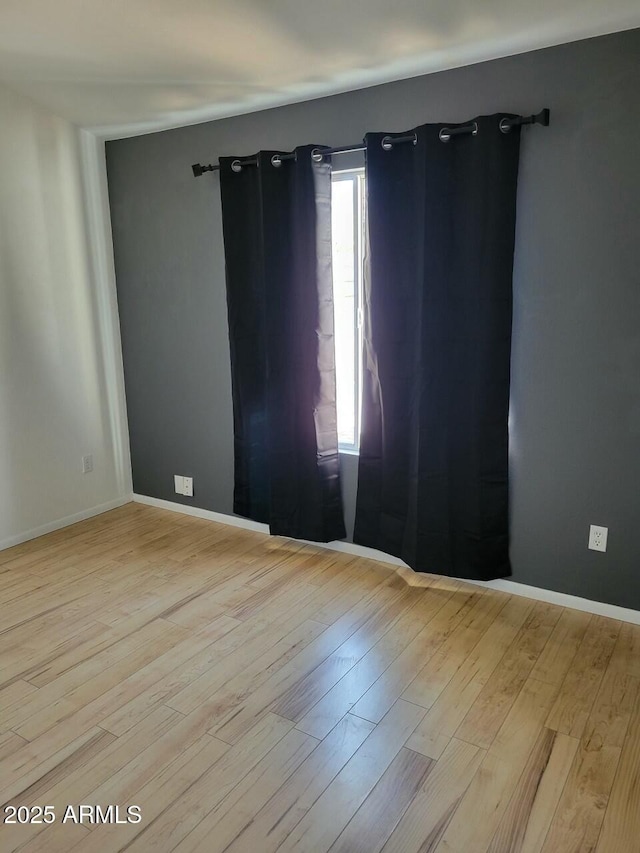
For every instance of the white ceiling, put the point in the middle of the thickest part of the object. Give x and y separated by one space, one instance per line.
123 66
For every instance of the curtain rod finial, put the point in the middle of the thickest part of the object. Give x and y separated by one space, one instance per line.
198 169
543 117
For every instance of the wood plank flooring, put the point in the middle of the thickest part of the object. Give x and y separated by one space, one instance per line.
254 694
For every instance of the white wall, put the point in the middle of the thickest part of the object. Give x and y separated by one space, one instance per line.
57 360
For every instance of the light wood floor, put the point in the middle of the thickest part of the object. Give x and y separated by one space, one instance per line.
255 694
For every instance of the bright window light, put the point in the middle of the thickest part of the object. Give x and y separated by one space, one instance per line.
347 222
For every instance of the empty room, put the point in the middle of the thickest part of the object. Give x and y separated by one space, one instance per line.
319 426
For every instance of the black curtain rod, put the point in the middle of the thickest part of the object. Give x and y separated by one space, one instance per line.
388 142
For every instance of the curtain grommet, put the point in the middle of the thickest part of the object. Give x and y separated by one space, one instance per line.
276 161
317 156
388 142
236 166
505 125
446 133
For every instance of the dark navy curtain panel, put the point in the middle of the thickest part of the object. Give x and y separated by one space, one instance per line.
433 468
277 238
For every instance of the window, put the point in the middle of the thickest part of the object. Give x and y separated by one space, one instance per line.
347 223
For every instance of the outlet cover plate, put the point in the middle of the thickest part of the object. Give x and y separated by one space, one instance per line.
183 485
598 537
87 464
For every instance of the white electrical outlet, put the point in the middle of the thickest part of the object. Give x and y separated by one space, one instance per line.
598 538
87 464
183 485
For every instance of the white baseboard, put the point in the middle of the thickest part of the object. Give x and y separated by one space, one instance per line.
600 608
196 512
59 523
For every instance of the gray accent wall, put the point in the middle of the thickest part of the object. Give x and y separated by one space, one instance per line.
575 420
